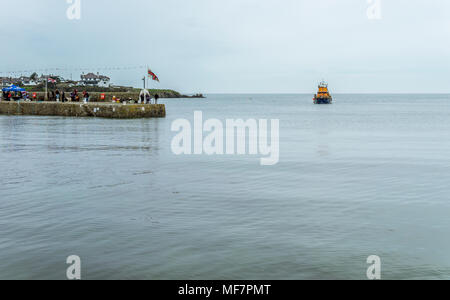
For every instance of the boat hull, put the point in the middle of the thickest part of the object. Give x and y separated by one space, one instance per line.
323 100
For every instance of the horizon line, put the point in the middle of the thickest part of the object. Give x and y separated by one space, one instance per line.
342 93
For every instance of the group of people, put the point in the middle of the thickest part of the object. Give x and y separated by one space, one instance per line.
12 96
61 96
146 98
75 96
56 96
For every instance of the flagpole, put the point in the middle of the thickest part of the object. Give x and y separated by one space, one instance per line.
46 90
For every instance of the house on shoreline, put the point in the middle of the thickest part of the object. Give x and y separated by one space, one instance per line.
88 80
92 79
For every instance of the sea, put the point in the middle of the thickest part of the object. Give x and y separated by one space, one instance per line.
366 176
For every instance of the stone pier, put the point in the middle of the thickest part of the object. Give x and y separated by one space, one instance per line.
71 109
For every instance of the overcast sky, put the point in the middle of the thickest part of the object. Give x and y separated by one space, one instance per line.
238 46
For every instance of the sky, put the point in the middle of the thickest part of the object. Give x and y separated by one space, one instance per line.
237 46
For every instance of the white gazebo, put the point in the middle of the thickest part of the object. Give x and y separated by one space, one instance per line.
144 93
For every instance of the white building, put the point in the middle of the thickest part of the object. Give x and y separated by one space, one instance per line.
92 79
27 81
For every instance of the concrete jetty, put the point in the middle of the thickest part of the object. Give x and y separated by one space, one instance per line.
75 109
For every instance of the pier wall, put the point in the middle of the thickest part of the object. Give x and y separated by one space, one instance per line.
99 110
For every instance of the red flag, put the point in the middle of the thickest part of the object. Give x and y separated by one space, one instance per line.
51 80
152 75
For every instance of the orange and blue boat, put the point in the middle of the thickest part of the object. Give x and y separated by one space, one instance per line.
323 95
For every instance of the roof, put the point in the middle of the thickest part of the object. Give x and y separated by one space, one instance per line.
13 88
93 76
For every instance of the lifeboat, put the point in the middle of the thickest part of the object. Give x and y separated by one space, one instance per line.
323 95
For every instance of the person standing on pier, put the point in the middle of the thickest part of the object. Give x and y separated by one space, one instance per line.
156 98
57 95
86 96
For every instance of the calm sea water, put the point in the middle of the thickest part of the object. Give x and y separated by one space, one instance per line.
368 175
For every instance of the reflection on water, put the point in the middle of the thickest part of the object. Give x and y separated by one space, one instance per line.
366 176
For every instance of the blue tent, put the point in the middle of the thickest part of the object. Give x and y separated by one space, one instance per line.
13 88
